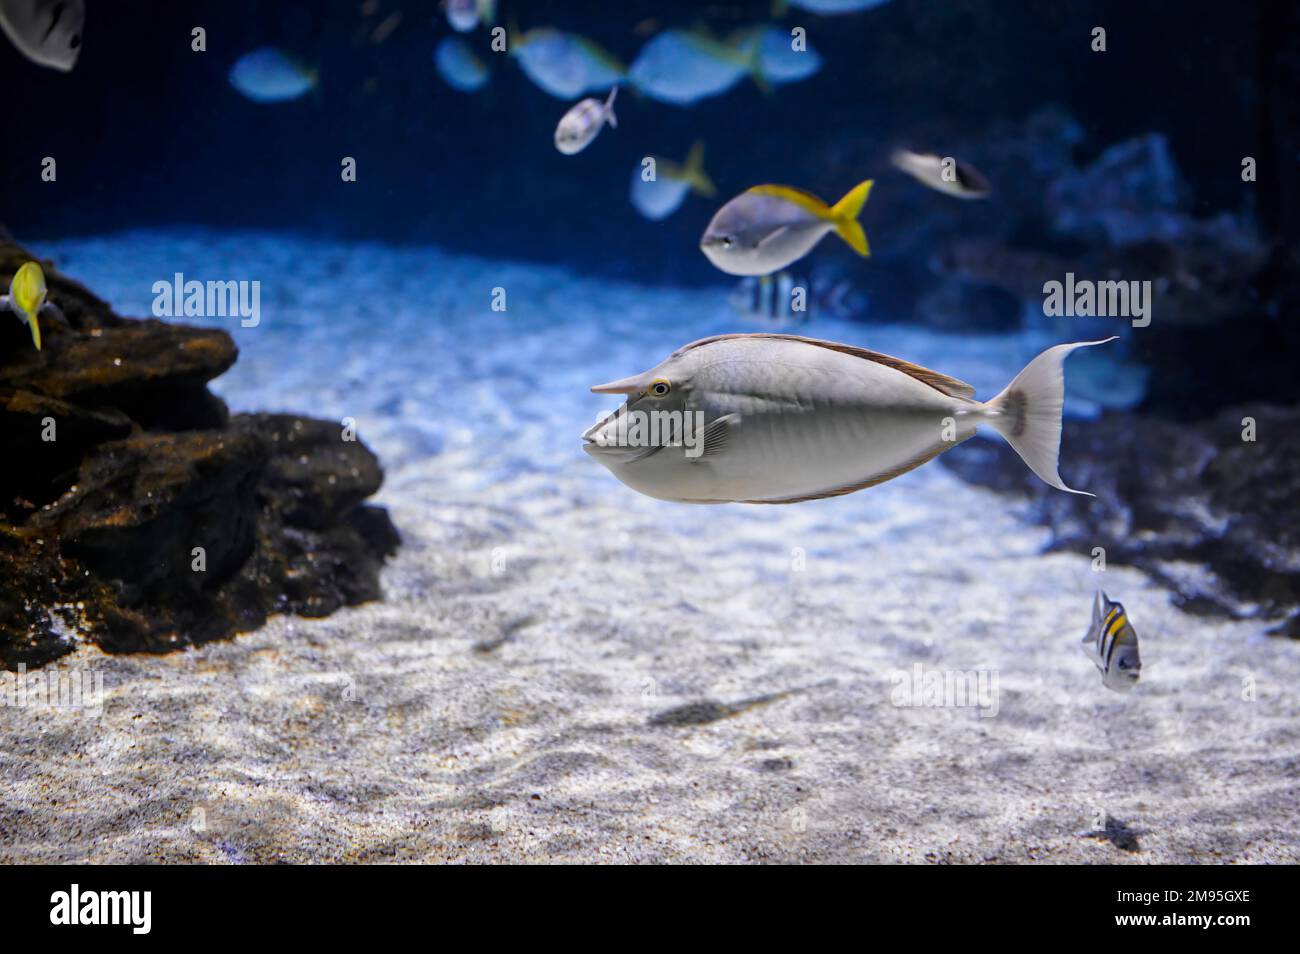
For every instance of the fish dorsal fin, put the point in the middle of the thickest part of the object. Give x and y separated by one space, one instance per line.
940 382
804 200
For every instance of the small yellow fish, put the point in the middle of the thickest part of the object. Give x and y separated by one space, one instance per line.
26 298
770 227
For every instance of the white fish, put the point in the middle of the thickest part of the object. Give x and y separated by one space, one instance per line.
564 64
769 227
682 68
458 65
943 174
581 124
269 75
663 195
47 32
1112 644
766 418
465 15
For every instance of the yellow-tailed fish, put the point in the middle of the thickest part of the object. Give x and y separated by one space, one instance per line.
777 61
47 32
581 124
1112 644
26 298
682 67
564 64
779 419
769 227
943 174
663 195
458 65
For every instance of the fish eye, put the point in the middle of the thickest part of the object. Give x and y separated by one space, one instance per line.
660 387
727 241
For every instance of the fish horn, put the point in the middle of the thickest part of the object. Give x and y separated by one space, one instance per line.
632 385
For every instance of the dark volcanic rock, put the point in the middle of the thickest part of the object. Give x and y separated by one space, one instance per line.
1210 514
138 514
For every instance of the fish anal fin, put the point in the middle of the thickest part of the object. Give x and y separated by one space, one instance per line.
908 465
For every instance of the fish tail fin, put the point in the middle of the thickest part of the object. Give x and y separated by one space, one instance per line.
756 69
694 172
609 108
845 213
1028 412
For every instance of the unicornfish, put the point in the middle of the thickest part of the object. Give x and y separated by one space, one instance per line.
780 419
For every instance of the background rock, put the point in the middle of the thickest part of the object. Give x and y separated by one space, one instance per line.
99 526
1212 516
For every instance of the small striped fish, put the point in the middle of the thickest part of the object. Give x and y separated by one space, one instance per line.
1112 644
580 125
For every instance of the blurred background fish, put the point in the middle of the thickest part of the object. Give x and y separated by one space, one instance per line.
564 64
458 66
682 67
465 15
826 8
942 174
780 61
659 195
583 123
269 75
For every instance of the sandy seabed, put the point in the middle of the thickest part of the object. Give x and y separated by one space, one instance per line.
564 670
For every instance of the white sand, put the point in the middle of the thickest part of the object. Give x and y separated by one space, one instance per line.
495 706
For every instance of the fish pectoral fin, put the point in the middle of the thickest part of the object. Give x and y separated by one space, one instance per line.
713 439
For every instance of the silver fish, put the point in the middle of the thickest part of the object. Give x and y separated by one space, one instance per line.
1112 644
581 124
943 174
48 32
769 227
768 418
